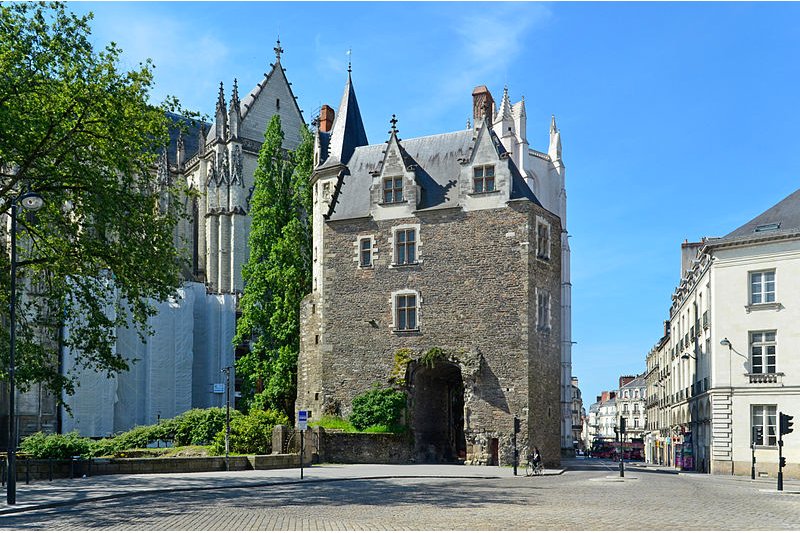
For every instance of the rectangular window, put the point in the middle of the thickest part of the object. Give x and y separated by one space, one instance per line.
483 178
542 241
543 314
762 287
406 312
365 252
393 190
405 247
762 352
765 417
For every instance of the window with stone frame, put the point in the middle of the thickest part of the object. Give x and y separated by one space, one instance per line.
393 190
483 178
765 417
365 252
763 350
542 240
762 287
405 246
543 310
405 311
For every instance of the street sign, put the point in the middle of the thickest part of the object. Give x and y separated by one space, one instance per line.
302 420
219 388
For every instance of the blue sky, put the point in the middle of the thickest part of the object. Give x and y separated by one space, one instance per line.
678 120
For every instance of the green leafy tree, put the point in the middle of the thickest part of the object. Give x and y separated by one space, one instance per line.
278 274
80 131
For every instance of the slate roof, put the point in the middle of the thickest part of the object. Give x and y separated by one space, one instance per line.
190 137
785 214
437 170
348 131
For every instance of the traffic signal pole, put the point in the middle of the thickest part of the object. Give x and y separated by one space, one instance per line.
784 428
780 464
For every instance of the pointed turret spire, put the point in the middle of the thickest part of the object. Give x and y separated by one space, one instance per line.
278 51
348 128
349 60
235 115
235 95
554 151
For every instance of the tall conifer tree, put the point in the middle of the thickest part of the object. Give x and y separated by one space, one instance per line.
278 273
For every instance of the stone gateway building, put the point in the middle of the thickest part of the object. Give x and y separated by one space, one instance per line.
438 269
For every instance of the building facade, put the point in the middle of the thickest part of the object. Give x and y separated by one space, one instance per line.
182 364
578 414
727 368
631 400
438 269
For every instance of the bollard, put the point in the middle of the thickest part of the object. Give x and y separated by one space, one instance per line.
27 471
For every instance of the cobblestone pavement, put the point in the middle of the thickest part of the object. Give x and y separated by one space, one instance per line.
590 495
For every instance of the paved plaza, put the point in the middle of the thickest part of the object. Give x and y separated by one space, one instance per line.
588 495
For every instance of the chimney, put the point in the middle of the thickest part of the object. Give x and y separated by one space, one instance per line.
326 115
482 102
624 380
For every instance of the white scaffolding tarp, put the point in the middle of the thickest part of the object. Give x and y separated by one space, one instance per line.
174 369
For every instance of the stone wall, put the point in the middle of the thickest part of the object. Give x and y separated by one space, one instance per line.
34 469
363 448
477 280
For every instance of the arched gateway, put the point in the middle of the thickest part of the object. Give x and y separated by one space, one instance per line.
437 412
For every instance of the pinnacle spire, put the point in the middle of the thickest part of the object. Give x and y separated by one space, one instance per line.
553 128
221 97
278 50
348 131
349 60
235 95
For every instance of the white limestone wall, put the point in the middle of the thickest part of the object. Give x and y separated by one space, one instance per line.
732 320
274 98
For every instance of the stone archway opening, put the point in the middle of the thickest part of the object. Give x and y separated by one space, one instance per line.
437 412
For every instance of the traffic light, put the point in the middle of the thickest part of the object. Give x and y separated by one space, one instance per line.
758 435
783 462
786 424
622 425
516 425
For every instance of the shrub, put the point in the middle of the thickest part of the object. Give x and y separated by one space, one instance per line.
200 426
378 406
251 433
42 446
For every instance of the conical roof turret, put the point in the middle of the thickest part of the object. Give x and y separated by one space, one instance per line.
348 131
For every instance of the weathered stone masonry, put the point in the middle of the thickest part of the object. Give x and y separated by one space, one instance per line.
476 277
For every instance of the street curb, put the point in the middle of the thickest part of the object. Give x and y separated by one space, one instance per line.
146 492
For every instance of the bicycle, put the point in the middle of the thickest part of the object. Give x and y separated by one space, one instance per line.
534 469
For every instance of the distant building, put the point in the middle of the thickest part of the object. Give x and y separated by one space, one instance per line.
726 367
631 405
578 414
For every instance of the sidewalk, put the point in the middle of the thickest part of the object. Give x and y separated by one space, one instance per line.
69 492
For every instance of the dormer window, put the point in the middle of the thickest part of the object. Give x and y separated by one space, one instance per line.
483 178
393 190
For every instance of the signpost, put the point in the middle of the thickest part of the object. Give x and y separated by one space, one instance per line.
302 424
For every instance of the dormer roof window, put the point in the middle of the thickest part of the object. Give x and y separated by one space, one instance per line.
393 190
483 178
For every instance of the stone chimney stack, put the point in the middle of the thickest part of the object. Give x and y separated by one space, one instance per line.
326 116
624 380
482 104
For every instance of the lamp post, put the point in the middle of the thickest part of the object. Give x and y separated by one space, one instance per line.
32 202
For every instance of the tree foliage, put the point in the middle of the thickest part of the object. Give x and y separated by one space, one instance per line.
80 131
278 273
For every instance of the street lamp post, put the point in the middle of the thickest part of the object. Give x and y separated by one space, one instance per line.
32 202
227 371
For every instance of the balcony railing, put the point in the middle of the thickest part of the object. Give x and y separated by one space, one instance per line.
774 377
